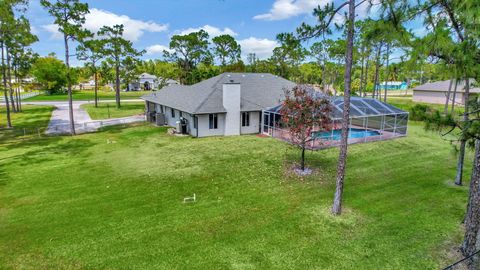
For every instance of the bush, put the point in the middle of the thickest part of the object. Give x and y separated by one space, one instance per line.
419 112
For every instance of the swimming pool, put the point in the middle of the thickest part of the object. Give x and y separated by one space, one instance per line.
354 133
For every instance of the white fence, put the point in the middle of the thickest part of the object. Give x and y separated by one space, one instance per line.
22 96
92 126
58 130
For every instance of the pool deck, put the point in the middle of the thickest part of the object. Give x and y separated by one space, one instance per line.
319 144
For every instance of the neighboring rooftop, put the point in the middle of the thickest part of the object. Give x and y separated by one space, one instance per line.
258 91
171 81
442 86
147 76
393 83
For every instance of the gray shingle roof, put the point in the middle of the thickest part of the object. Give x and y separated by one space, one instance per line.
258 91
442 86
147 76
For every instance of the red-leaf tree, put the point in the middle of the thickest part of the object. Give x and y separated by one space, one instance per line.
305 111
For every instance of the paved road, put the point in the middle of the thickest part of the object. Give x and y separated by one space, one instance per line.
60 123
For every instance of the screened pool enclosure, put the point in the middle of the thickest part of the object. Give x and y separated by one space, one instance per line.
370 120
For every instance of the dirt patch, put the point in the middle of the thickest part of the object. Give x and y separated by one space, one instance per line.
292 171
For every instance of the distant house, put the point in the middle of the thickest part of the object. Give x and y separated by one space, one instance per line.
148 82
228 104
392 85
437 92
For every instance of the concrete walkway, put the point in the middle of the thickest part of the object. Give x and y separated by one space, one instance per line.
60 120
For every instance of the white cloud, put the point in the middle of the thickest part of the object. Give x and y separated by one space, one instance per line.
284 9
421 31
367 9
53 29
157 49
211 30
263 48
133 29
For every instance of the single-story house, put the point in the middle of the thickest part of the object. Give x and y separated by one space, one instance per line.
228 104
148 82
437 92
392 85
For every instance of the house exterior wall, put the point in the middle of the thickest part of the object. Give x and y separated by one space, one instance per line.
203 126
254 126
142 81
172 121
435 97
231 103
203 121
190 118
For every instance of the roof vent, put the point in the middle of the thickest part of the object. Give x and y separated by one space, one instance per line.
228 75
243 75
262 75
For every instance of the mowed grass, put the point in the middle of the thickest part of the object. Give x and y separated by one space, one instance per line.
109 110
88 95
114 200
406 103
30 121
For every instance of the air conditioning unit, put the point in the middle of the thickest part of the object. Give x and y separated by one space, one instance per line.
160 119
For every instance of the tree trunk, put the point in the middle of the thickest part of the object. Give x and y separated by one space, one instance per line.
454 94
19 97
472 221
377 70
448 96
302 160
9 78
69 87
461 154
387 75
333 83
324 70
366 78
117 85
342 159
5 95
96 88
362 73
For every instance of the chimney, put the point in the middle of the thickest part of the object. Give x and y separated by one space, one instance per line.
231 103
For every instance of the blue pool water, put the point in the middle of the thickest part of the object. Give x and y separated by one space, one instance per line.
353 134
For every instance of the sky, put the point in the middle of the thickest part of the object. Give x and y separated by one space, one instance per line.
149 24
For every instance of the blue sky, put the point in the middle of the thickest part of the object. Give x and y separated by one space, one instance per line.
149 24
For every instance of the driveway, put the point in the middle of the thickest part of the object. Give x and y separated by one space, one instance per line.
60 120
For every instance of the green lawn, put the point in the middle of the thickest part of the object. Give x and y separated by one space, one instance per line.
88 95
405 103
27 122
109 110
114 200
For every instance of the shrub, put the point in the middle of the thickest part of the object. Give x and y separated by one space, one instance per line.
419 112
